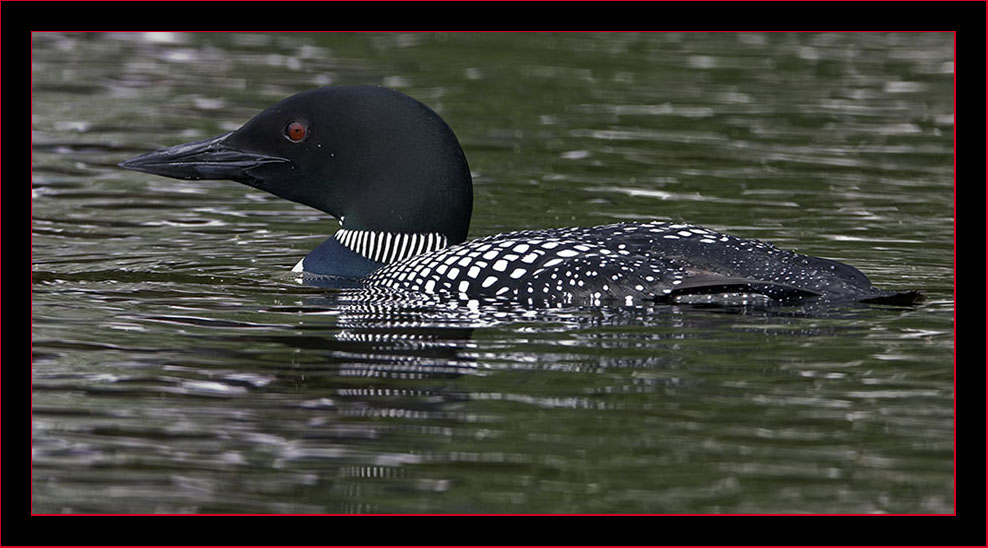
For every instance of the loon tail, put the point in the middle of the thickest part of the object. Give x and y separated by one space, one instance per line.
898 298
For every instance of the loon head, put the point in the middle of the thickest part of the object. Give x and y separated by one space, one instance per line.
372 157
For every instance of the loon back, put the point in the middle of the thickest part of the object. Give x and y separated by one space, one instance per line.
626 263
394 175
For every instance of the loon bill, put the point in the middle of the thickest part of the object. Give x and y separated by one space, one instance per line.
394 175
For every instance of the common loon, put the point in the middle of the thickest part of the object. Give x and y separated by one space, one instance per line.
394 175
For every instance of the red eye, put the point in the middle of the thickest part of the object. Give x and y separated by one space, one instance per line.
296 131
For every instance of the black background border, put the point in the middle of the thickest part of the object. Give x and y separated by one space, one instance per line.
19 19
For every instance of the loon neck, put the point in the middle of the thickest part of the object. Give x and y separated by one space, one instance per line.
388 247
353 253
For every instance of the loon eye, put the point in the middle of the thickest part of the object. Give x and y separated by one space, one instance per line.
296 131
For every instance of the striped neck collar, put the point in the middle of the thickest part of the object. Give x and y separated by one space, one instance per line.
385 247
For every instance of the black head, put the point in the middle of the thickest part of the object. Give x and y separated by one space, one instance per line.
372 156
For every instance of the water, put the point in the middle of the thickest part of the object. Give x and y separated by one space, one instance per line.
177 370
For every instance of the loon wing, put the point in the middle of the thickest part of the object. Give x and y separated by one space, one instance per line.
710 283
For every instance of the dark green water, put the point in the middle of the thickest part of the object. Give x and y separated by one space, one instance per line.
176 369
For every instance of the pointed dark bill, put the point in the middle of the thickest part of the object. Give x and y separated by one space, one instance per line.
207 159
